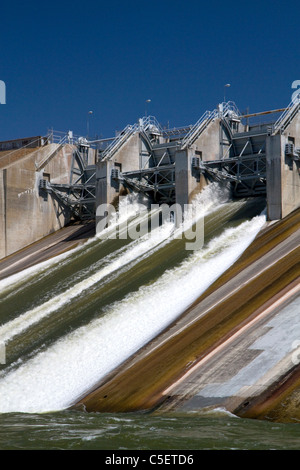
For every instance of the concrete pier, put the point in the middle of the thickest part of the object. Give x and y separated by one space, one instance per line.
37 181
25 214
283 173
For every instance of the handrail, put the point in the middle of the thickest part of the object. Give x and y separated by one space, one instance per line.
118 141
50 154
56 137
205 120
283 119
198 128
150 122
59 144
230 106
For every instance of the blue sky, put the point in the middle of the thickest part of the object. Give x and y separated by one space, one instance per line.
60 60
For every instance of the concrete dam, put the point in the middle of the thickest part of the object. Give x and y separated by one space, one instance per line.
93 319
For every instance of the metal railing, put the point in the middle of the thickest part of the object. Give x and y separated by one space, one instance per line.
223 110
177 131
121 138
287 115
150 123
229 109
58 137
198 128
46 159
146 125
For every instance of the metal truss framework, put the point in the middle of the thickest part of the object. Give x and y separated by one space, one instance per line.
247 174
156 182
79 195
245 168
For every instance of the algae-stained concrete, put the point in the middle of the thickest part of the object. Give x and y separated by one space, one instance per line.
26 215
170 372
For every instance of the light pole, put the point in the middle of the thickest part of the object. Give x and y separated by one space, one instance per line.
88 123
226 86
147 101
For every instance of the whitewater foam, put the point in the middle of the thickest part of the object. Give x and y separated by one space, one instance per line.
129 209
134 252
206 202
57 376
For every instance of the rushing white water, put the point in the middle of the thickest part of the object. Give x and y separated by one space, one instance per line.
54 378
134 252
130 207
128 255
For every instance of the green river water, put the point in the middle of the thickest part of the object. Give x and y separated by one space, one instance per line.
80 431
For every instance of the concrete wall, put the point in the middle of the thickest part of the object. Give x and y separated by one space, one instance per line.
128 158
108 190
291 170
208 143
283 174
188 183
26 215
274 172
125 159
129 154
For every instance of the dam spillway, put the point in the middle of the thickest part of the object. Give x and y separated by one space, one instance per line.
103 335
200 363
109 344
117 324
